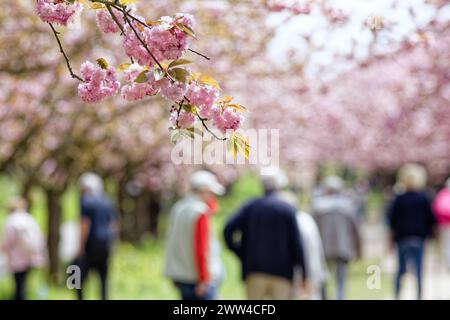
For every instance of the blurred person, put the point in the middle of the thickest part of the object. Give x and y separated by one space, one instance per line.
315 263
99 229
359 194
411 221
24 245
441 207
335 214
264 234
193 252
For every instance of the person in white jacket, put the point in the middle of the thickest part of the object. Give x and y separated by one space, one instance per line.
315 262
23 244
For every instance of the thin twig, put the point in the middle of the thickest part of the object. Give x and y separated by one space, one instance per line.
203 121
200 54
140 39
113 16
144 24
178 112
72 74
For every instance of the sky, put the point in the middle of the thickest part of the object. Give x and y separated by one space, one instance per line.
340 39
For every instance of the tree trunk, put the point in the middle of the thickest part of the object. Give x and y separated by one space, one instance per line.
54 222
141 216
26 191
127 230
154 210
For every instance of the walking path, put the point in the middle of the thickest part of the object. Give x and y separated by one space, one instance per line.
436 279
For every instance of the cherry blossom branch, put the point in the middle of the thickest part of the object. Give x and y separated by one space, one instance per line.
203 121
120 8
125 16
200 54
113 16
72 74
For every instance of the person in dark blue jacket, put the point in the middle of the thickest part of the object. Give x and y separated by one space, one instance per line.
411 221
99 228
269 244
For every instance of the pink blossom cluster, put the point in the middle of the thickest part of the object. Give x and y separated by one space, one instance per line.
58 11
174 91
295 8
136 91
185 119
98 83
106 23
134 48
203 96
228 119
165 41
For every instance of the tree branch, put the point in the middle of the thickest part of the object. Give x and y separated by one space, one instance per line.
72 74
125 16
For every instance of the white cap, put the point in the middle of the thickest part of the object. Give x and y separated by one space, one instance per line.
334 183
206 180
273 178
91 182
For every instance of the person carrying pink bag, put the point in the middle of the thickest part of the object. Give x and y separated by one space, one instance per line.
441 207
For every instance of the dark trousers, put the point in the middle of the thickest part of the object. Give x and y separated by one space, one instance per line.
410 251
187 291
96 258
341 267
20 278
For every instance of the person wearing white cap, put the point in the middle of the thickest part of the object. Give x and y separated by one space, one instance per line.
193 253
98 228
269 246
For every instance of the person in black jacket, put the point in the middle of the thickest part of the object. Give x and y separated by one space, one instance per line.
269 244
98 228
411 221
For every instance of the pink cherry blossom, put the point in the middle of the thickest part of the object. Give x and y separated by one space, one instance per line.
166 41
106 23
173 91
99 83
229 119
57 11
185 119
134 48
203 96
136 91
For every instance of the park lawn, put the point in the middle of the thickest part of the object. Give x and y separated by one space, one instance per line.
137 270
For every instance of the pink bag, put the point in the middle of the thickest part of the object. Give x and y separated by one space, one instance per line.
441 207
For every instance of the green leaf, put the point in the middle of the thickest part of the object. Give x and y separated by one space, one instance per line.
188 107
102 63
142 77
127 2
187 30
236 106
206 79
179 74
123 66
175 136
239 143
158 74
178 62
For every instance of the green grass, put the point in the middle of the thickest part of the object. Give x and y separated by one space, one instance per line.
137 271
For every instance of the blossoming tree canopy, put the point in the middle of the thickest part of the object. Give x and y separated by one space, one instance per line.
155 50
